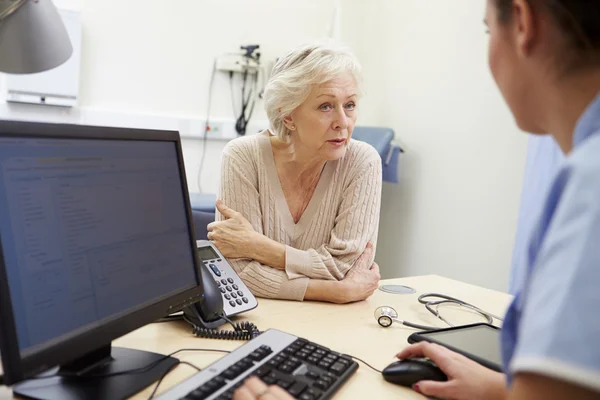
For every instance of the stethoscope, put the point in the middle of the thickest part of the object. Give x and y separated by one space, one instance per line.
386 315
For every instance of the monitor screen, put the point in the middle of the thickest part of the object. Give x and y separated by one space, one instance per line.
90 230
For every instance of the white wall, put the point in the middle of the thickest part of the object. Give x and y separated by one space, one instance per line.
455 211
142 58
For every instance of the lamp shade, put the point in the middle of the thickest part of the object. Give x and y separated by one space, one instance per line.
33 38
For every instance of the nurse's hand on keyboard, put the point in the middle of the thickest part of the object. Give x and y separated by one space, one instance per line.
255 389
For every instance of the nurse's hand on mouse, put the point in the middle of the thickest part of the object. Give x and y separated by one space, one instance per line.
467 380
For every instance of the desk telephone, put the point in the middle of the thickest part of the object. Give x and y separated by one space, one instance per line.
225 295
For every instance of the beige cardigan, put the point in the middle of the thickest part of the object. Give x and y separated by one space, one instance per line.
341 217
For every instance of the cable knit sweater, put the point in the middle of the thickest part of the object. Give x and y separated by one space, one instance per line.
341 217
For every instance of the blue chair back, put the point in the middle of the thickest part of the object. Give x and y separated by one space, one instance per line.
201 220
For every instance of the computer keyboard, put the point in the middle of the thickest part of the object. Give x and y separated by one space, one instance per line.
305 369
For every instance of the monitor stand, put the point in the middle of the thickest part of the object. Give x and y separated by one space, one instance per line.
84 378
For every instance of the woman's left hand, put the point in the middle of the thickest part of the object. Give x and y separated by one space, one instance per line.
234 236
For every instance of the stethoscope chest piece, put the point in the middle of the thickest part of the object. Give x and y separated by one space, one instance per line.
385 316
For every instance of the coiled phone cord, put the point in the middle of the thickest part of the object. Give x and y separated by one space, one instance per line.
241 330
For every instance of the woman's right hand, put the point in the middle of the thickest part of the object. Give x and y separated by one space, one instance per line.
467 380
362 279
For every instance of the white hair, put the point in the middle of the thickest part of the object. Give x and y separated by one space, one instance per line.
296 73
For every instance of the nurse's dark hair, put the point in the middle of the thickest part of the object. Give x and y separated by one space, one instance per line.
579 22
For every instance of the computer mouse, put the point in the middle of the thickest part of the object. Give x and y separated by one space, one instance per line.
410 371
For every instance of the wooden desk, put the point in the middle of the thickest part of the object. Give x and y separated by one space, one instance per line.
350 329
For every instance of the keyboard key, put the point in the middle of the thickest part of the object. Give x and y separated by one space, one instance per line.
301 342
229 289
229 280
302 355
273 363
332 376
306 396
327 380
218 283
231 373
269 380
236 287
320 384
312 359
331 358
237 369
198 394
262 371
239 302
297 388
287 368
283 384
324 364
240 293
234 295
310 348
245 300
260 353
222 290
278 376
257 355
312 375
224 281
345 361
232 303
338 368
227 297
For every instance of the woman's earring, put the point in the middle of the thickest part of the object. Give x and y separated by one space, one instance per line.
293 128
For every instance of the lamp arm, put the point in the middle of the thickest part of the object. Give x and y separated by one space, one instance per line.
11 8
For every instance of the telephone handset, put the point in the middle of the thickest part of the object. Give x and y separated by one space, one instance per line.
225 295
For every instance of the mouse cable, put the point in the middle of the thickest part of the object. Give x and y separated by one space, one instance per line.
364 362
130 371
167 373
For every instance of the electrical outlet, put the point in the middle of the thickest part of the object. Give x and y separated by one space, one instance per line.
215 129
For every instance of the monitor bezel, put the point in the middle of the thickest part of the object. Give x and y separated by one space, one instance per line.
17 368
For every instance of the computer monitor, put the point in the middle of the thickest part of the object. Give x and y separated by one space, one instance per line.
96 240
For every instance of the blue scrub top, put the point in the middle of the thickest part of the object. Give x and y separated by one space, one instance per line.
552 328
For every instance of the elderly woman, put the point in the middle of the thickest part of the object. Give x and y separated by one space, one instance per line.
299 203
